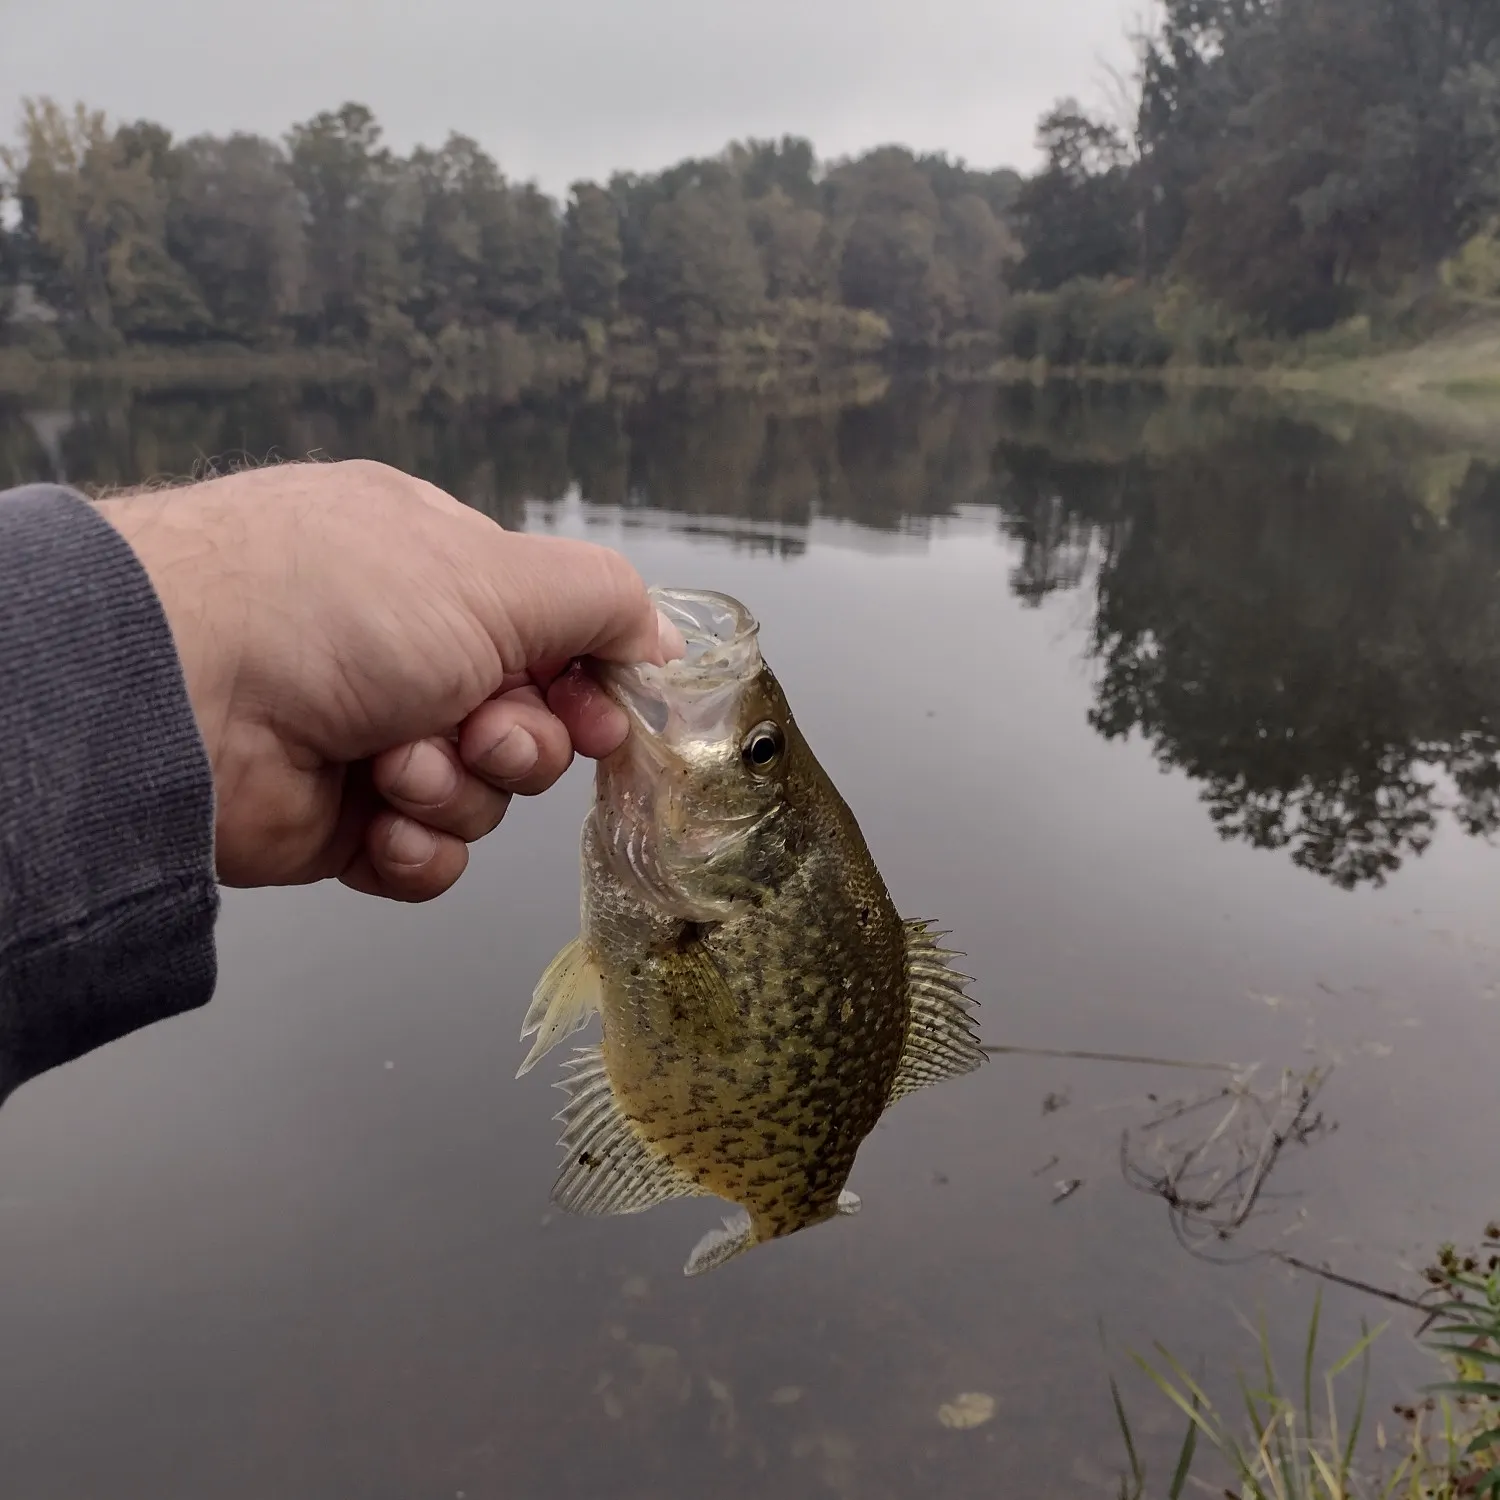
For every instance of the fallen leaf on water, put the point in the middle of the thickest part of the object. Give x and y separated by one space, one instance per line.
971 1409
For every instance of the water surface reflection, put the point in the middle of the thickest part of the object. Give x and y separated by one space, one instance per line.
299 1243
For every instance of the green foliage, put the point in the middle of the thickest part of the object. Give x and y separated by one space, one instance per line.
1298 154
1201 333
235 226
1074 217
1476 267
346 179
592 254
1292 160
90 237
1282 1447
794 244
1086 323
889 224
333 240
704 271
1467 1336
1294 166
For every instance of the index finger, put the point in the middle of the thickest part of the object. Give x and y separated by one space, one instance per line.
550 599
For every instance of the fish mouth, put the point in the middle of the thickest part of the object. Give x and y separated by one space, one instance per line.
684 722
718 632
693 697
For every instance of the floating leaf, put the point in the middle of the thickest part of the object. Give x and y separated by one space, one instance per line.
970 1409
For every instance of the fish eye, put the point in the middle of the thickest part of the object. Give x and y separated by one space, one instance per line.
763 746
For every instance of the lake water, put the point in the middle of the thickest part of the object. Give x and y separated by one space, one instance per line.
1181 717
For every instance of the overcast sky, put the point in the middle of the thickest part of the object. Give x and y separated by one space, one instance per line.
561 89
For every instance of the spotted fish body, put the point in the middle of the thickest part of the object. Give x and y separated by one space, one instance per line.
762 1002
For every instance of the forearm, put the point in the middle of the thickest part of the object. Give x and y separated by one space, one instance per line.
107 887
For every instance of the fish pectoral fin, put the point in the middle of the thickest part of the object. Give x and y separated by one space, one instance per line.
609 1169
940 1040
690 974
735 1236
566 995
849 1202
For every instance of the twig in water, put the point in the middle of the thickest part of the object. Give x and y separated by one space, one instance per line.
1352 1282
995 1050
1209 1201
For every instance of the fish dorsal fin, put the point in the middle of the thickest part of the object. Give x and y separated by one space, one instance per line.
940 1039
609 1169
565 997
718 1245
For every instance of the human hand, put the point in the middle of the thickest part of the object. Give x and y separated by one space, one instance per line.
376 668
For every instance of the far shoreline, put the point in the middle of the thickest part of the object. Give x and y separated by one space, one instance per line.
1449 385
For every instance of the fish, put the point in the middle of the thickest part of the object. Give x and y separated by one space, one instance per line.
761 1001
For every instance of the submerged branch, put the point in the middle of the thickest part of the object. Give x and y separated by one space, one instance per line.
1070 1055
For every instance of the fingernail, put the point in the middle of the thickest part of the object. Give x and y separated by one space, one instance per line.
408 843
669 637
511 756
428 779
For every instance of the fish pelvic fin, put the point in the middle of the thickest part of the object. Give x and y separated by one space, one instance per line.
609 1168
940 1039
734 1237
566 996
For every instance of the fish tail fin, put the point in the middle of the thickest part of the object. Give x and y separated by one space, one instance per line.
735 1237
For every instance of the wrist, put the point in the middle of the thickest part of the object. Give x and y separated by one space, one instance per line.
188 559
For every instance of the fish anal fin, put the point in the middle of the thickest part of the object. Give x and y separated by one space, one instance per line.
940 1039
609 1168
566 995
736 1235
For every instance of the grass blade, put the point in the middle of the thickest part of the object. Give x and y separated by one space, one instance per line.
1307 1358
1489 1388
1184 1461
1136 1471
1488 1439
1360 1348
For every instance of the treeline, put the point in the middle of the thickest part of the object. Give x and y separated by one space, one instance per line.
1281 166
1289 161
122 235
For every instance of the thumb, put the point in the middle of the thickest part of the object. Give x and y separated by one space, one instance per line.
549 599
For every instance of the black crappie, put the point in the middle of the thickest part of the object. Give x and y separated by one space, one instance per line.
761 1001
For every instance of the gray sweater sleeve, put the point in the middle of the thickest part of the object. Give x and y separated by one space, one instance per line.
107 888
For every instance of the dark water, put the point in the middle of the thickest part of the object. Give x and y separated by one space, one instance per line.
1182 718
